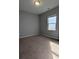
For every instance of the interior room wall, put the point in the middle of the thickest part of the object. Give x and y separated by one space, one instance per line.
28 24
43 23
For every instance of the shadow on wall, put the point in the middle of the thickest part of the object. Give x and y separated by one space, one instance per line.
38 48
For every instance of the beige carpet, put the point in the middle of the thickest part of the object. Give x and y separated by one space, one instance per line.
38 47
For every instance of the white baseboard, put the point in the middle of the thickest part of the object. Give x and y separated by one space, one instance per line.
50 36
37 34
26 36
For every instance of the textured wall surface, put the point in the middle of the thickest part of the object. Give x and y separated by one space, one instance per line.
28 24
43 23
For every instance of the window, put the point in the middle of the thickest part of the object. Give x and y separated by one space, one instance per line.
52 23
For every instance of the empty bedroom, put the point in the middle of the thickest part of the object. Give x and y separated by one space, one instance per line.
39 29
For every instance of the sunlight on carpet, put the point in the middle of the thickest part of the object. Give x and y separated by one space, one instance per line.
54 50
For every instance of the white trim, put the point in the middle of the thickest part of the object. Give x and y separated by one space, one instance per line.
26 36
48 24
50 36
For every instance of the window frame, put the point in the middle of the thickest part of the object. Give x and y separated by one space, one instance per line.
48 23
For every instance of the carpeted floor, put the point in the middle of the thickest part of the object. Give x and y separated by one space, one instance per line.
38 47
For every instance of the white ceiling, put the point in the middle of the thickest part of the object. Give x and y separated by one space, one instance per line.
28 5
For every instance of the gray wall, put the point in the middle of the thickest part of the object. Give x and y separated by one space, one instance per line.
28 24
43 23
